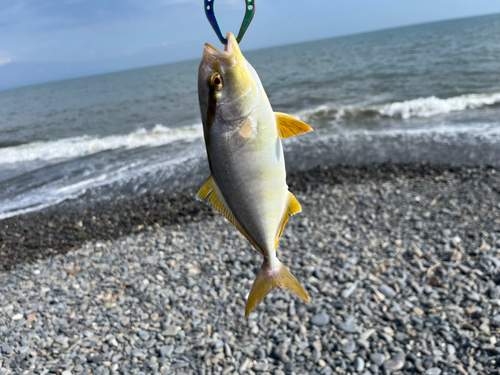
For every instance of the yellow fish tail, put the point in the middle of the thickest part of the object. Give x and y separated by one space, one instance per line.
267 280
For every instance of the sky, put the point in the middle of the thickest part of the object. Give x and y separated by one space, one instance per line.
47 40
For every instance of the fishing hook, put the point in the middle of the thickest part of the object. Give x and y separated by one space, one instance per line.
249 13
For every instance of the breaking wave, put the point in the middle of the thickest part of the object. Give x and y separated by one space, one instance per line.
421 107
67 148
85 145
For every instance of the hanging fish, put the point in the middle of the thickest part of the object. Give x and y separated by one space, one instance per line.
248 181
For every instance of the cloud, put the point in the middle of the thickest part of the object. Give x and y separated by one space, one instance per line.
6 58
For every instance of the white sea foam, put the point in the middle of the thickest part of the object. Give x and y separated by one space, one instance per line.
52 194
85 145
432 106
435 143
420 107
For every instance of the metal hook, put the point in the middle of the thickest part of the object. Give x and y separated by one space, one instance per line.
249 13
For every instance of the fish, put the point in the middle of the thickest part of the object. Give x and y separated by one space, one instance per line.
245 155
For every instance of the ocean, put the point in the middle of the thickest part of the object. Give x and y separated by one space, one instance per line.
424 93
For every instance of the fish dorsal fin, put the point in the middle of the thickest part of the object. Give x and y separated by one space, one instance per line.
211 190
289 126
293 208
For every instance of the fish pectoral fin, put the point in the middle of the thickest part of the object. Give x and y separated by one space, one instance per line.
293 208
289 126
211 190
294 205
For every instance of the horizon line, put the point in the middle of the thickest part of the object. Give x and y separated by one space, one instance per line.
249 50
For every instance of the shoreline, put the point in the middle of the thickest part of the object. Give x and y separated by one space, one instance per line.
68 225
401 264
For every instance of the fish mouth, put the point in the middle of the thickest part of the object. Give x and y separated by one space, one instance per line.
226 57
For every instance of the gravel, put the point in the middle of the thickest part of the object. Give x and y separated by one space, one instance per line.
170 299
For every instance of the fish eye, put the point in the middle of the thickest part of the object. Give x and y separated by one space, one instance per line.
216 81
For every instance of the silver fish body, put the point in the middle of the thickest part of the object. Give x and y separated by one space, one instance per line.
248 181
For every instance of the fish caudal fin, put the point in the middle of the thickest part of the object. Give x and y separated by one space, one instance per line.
267 280
289 126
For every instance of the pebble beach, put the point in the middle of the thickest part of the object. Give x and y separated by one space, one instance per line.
401 263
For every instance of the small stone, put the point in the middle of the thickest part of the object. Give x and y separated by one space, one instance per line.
401 337
6 348
166 351
260 367
495 321
253 316
143 335
17 316
359 364
396 362
317 345
417 310
387 291
433 371
367 334
451 349
245 365
386 337
23 349
346 293
494 293
318 274
456 256
172 331
181 291
180 349
363 343
377 358
474 297
484 327
98 359
320 319
349 347
139 353
437 353
348 326
280 353
455 241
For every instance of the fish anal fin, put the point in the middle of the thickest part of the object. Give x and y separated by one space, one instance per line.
289 126
267 280
293 208
211 190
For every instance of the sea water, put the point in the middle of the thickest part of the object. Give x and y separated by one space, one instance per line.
424 93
